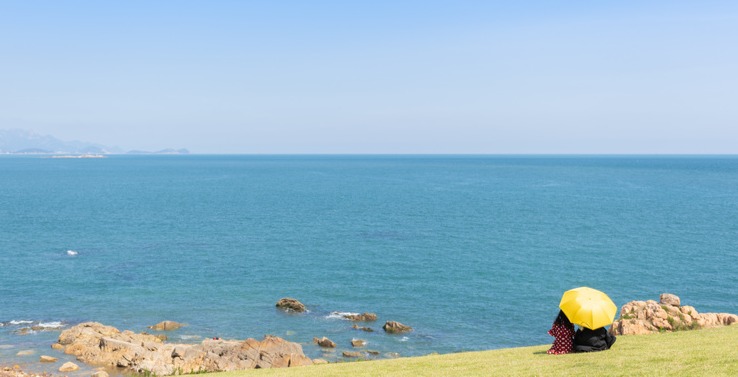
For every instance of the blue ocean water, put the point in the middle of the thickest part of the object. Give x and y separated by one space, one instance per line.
474 252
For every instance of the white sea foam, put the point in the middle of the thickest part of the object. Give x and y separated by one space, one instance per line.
340 315
189 337
21 322
51 325
72 253
404 339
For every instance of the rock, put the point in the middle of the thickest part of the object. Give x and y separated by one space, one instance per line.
372 352
25 353
291 305
166 326
393 327
358 342
100 373
275 352
351 354
320 361
106 346
644 317
367 329
669 299
324 342
363 317
48 359
68 367
57 346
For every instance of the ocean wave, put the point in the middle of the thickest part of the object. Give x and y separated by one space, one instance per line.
34 325
189 337
72 253
19 322
51 325
340 315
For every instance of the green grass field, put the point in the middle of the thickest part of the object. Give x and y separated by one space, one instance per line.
709 352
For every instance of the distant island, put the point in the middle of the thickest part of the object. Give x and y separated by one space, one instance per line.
16 141
163 151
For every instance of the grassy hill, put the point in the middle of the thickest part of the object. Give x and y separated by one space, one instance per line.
709 352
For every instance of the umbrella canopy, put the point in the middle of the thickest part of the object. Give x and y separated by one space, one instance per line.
588 307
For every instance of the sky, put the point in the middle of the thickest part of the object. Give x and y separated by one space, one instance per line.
415 77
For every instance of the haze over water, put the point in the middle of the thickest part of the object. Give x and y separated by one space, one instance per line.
474 252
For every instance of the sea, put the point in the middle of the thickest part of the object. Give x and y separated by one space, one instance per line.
473 252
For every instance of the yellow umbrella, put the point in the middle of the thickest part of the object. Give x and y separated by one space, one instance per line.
588 307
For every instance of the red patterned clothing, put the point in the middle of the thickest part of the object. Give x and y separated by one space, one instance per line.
563 339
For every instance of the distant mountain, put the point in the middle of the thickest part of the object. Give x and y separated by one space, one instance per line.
17 141
29 142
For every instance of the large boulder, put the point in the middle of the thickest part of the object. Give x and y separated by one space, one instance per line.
645 317
394 327
291 305
101 345
670 299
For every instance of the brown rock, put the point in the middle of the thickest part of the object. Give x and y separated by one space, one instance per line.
25 353
320 361
358 342
643 317
96 344
669 299
396 327
351 354
367 329
275 352
291 305
363 317
690 311
48 359
324 342
166 326
57 346
100 373
68 367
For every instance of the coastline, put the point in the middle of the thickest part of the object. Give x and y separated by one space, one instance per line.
685 353
93 346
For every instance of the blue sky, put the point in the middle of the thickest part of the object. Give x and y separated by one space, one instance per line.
375 77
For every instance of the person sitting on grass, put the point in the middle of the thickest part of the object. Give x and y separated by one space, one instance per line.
587 340
563 332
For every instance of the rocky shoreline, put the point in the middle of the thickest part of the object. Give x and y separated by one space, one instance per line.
16 371
123 351
95 345
646 317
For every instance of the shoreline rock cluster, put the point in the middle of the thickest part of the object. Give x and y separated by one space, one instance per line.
16 371
96 344
646 317
291 305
